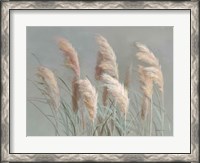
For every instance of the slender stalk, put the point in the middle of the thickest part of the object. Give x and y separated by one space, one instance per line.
82 119
163 114
113 121
36 57
45 116
56 123
151 118
56 119
54 116
92 129
84 127
78 123
143 124
125 124
82 115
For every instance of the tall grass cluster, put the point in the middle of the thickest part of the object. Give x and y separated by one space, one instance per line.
111 110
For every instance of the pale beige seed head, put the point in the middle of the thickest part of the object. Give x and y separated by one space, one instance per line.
154 72
145 55
106 60
89 96
71 56
110 69
109 80
148 75
51 86
156 75
118 92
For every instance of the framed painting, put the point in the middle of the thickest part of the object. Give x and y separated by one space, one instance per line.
99 81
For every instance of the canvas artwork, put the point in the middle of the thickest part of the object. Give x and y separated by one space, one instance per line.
99 81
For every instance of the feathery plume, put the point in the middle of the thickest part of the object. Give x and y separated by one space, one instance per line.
72 61
70 54
146 56
118 92
51 86
89 96
156 75
154 72
106 63
106 60
128 76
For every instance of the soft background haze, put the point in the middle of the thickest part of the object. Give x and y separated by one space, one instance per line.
42 42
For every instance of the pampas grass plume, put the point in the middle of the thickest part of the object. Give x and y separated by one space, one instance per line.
145 55
89 96
51 86
148 75
154 71
156 75
70 54
118 92
106 60
106 63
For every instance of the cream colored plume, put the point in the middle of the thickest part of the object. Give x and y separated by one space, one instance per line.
118 92
106 60
154 72
145 55
156 75
51 86
106 63
70 55
89 96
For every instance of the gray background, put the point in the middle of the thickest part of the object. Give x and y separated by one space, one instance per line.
42 42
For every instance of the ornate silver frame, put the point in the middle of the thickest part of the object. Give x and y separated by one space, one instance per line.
193 6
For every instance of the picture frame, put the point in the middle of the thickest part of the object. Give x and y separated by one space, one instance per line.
6 63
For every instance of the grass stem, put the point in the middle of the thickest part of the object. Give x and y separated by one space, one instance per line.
124 124
163 114
151 117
